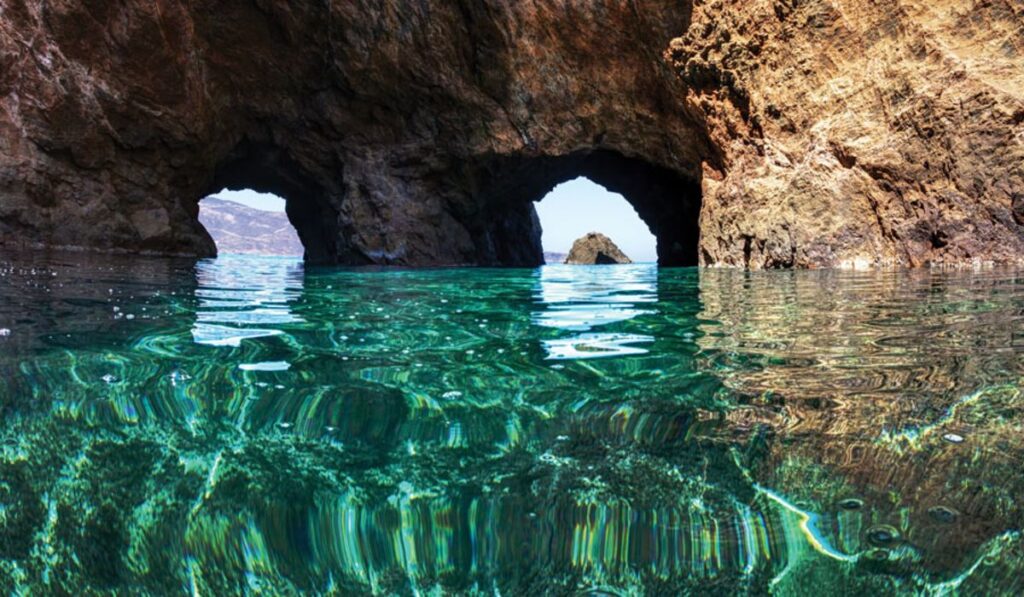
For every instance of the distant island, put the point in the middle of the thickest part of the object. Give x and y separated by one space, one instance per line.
551 257
237 228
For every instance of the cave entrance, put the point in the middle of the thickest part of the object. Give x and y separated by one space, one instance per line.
249 223
666 200
579 206
258 169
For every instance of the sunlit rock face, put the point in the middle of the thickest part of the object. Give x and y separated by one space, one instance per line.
847 132
761 135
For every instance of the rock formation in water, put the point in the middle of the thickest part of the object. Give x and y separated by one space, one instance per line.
237 228
595 248
761 134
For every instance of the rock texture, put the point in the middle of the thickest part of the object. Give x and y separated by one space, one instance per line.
237 228
595 248
758 133
858 132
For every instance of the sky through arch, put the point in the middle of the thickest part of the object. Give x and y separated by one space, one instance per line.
579 206
569 211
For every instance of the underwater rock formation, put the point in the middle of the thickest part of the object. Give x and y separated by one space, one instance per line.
595 248
762 134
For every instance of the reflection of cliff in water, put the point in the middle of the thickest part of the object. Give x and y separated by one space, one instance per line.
68 313
888 388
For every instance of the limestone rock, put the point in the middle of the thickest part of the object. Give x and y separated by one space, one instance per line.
595 248
745 133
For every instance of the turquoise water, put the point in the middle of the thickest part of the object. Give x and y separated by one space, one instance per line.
251 425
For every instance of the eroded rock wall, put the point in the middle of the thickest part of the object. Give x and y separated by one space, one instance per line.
818 133
399 132
857 131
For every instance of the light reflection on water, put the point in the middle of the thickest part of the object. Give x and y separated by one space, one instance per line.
247 424
580 298
242 299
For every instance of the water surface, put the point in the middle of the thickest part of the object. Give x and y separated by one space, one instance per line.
250 425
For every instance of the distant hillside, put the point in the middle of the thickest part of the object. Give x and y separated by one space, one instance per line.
553 257
240 229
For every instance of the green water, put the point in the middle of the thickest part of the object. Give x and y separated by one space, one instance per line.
248 425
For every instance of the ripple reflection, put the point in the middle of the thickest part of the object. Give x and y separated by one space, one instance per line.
244 298
257 427
579 298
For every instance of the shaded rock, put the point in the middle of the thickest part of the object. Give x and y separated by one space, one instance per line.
1017 207
595 249
406 133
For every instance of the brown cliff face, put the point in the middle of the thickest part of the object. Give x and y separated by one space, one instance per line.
595 248
848 132
770 133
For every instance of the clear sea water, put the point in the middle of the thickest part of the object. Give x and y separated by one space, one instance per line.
253 426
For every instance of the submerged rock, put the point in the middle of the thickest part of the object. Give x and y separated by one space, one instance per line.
595 249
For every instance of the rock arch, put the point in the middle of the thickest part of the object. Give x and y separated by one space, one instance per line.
667 201
801 134
266 169
393 130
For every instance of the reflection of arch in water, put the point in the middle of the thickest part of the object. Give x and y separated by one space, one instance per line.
246 298
93 343
578 299
158 376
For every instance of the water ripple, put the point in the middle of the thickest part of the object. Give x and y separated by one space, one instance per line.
252 425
